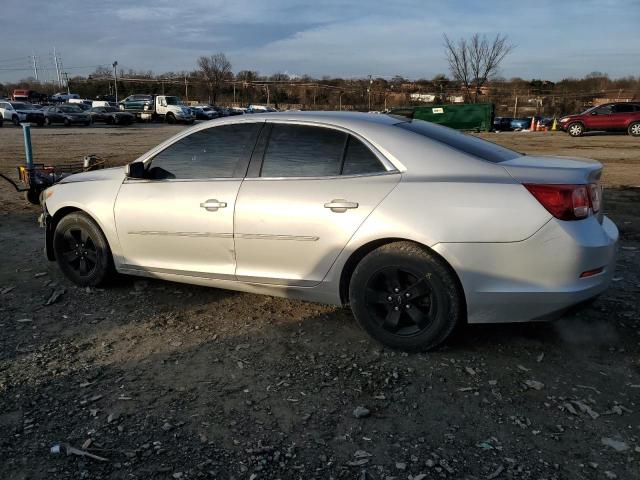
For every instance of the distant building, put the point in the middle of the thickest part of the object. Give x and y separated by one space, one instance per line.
423 97
455 98
615 97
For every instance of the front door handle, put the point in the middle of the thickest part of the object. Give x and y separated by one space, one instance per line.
340 206
212 205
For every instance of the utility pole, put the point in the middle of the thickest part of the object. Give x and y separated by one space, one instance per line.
115 77
234 94
340 101
66 78
35 64
515 108
369 90
186 89
55 60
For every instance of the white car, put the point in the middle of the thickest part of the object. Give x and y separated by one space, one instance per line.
18 112
415 226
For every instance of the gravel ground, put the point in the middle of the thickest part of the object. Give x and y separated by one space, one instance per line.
168 381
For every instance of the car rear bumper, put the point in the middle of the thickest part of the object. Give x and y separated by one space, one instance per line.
537 278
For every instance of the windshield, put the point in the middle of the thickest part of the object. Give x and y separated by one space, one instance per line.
22 106
173 101
70 109
462 142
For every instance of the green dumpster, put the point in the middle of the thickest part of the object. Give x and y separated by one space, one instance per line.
465 116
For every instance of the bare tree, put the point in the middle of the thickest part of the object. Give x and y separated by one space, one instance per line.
476 60
215 69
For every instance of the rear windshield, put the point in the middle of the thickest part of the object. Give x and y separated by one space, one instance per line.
462 142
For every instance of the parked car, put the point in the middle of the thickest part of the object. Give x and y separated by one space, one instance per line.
203 112
137 102
346 209
66 113
502 124
236 111
609 117
518 124
63 97
18 112
111 116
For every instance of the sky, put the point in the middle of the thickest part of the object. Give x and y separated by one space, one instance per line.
553 39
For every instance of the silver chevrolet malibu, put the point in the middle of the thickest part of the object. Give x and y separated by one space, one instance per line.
417 227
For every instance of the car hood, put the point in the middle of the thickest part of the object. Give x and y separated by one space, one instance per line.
105 174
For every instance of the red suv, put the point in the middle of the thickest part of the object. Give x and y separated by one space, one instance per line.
609 117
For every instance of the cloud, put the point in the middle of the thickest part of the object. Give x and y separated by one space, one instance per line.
347 38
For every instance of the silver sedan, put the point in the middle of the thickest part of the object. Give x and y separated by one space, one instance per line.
417 227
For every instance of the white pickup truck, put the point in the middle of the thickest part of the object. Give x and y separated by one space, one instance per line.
157 107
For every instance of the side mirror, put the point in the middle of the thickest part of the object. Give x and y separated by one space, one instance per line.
134 170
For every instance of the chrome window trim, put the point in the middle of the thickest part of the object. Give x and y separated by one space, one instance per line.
330 177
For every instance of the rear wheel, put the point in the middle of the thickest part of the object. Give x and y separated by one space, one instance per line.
575 129
406 297
67 122
47 121
634 129
81 250
16 120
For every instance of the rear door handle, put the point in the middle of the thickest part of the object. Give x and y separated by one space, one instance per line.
340 206
212 205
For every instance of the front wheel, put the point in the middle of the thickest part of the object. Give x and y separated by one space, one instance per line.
634 129
67 122
16 120
47 121
406 297
82 251
575 129
170 118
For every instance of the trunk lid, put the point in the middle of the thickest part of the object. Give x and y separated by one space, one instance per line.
553 170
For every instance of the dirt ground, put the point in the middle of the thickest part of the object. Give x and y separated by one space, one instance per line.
171 381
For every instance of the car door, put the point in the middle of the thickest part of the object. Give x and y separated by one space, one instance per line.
308 190
7 110
622 115
600 118
180 218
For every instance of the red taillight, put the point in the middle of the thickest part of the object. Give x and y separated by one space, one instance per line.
567 202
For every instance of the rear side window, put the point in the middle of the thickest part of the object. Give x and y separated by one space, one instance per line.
303 151
462 142
622 108
212 153
359 160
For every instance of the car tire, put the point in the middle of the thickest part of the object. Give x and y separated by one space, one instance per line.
16 120
32 196
400 274
47 121
634 129
170 118
67 122
575 129
82 251
110 121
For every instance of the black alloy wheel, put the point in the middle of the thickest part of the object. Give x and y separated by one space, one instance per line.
81 250
406 297
401 300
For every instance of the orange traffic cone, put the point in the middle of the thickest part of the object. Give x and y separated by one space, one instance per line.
533 124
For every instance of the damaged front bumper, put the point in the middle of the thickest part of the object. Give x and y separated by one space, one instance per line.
46 222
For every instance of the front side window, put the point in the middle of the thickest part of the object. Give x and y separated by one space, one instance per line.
212 153
303 151
605 110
